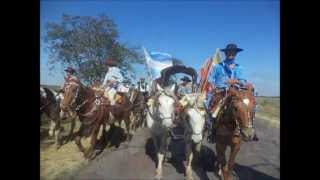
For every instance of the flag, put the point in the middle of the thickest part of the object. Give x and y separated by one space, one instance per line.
206 70
157 61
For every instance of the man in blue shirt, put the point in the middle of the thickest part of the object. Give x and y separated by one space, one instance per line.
224 73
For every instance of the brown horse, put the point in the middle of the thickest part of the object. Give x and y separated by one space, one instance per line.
123 111
234 123
139 99
93 113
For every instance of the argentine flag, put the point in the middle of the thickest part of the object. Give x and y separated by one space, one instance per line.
157 61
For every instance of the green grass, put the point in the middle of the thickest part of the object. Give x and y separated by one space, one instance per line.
269 109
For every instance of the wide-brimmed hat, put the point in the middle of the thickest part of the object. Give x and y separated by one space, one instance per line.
186 79
232 47
70 70
110 62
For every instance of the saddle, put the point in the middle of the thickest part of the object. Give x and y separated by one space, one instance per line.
216 102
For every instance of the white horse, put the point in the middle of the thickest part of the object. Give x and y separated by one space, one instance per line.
160 118
194 110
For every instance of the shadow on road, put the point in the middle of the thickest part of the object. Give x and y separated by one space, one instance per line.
248 173
115 136
203 164
150 150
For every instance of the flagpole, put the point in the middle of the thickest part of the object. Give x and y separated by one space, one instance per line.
148 69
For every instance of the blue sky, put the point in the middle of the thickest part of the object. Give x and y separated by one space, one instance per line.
188 30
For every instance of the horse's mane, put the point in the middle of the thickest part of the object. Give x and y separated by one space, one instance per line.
50 95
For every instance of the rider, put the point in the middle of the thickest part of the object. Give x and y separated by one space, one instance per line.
142 86
185 87
112 80
70 77
224 73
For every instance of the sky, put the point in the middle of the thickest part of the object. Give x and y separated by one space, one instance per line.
188 30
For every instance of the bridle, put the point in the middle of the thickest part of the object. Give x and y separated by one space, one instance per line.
229 108
75 104
156 114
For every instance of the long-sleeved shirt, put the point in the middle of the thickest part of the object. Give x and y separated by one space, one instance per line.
222 72
142 86
113 74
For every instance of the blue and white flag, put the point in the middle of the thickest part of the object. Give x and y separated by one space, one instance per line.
157 61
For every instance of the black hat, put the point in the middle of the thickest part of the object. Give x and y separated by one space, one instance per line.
186 79
232 47
70 70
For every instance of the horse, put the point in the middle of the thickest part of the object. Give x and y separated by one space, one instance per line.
49 105
121 109
93 113
139 100
194 121
160 119
234 123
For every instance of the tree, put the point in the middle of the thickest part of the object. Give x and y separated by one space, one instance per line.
85 42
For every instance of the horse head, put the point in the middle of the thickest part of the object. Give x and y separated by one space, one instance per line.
193 106
43 97
71 96
240 108
166 104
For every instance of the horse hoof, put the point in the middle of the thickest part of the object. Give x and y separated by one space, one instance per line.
58 146
189 178
158 175
93 155
87 155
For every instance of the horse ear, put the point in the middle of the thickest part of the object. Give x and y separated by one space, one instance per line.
159 87
173 87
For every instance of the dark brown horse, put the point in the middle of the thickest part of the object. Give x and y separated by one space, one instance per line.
49 106
139 99
123 111
234 123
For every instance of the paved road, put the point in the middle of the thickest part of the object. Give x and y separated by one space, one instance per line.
255 161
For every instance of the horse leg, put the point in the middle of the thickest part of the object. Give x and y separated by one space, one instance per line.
222 163
189 156
93 141
137 121
167 151
128 123
161 154
235 147
52 127
73 120
57 133
78 140
110 134
198 151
